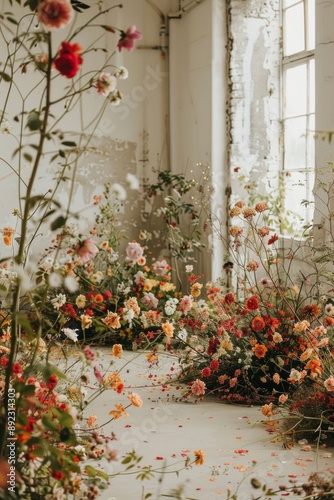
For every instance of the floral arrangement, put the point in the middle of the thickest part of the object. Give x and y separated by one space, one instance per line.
266 339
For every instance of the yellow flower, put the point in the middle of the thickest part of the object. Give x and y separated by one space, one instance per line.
199 457
80 301
167 287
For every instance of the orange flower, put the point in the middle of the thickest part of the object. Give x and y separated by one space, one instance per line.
258 323
306 354
91 420
114 380
86 321
98 298
7 235
135 399
314 365
260 350
311 311
119 412
117 350
267 410
168 329
112 320
199 457
276 378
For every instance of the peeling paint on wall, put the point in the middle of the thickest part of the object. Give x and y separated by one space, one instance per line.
254 33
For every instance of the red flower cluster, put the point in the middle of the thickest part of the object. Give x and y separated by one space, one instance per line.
69 59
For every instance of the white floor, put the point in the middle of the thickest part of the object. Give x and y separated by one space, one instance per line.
164 430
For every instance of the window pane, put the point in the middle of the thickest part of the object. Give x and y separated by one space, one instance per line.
294 30
295 91
312 87
297 190
310 142
311 25
295 143
288 3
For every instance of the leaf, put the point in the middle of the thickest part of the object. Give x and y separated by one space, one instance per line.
70 144
5 76
58 223
49 423
32 4
27 157
34 122
79 6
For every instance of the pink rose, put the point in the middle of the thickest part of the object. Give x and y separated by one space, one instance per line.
329 384
87 250
161 267
128 37
134 251
150 301
54 14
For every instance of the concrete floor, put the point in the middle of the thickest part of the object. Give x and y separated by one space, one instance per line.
165 430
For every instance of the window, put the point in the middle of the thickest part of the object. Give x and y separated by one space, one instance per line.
298 105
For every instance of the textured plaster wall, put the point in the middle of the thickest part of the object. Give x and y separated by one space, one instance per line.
254 39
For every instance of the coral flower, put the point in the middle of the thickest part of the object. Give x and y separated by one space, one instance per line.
258 324
135 399
128 37
69 60
87 250
199 457
55 14
260 350
198 387
117 350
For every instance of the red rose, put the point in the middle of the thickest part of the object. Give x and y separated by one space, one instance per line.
17 368
53 381
214 365
69 59
252 303
206 372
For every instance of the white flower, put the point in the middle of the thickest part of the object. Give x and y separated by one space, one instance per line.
189 268
58 301
71 334
81 451
128 315
329 309
71 284
122 73
133 181
183 334
6 128
119 191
